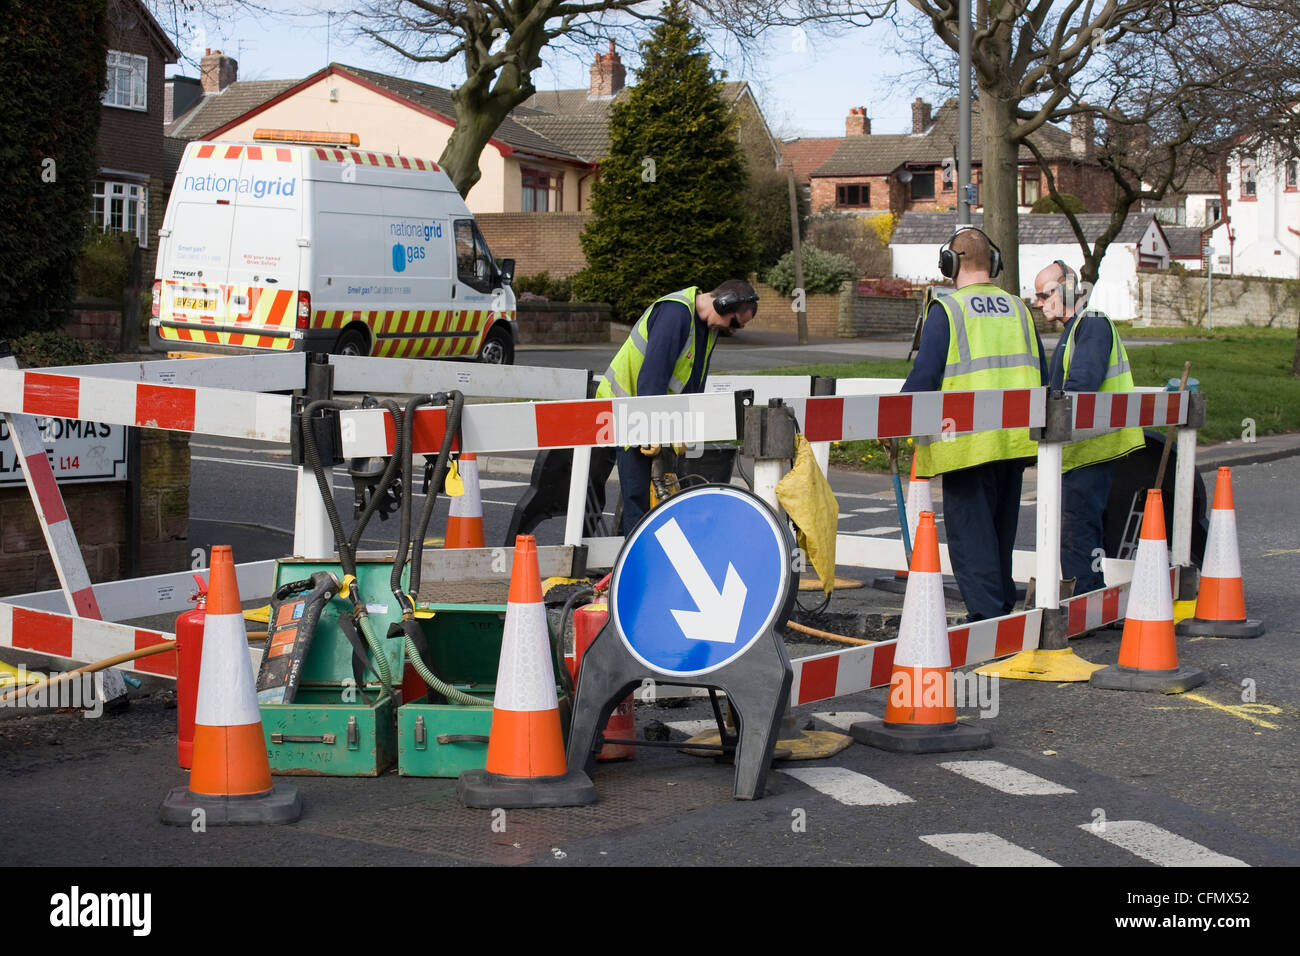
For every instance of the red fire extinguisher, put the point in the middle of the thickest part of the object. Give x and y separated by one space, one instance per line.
587 623
189 658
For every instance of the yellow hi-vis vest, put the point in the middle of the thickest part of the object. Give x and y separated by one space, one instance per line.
991 344
620 378
1119 378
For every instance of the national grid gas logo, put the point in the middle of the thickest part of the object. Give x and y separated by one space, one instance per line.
405 253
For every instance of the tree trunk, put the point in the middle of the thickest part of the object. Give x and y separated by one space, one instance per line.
1000 188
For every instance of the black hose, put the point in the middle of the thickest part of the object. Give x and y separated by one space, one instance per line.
381 489
566 679
454 402
346 558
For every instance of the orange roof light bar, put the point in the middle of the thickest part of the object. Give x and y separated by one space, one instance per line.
311 137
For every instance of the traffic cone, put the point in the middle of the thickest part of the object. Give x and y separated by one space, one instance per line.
921 715
465 518
1221 601
1148 655
525 757
231 777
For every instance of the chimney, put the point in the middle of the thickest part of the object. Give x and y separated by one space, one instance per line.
217 71
857 123
179 94
1083 143
920 115
608 75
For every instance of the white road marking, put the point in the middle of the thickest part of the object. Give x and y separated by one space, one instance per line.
999 776
881 529
691 727
848 787
870 511
984 849
844 719
1156 845
500 483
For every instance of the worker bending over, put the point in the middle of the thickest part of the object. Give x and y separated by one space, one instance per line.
668 353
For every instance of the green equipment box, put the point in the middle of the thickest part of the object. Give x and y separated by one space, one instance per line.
441 740
333 727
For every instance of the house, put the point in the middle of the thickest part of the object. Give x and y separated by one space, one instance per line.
521 170
1261 232
129 191
869 173
543 158
1044 238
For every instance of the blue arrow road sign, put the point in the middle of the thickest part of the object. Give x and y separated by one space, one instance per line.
699 579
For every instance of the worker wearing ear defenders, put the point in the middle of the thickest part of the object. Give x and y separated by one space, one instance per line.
978 337
668 353
1089 358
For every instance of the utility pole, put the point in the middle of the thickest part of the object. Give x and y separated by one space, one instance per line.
801 297
963 117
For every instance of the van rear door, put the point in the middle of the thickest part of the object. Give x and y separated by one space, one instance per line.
230 273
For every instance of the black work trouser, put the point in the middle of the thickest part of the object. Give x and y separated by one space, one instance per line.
981 511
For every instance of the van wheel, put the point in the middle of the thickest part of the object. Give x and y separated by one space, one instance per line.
351 342
498 348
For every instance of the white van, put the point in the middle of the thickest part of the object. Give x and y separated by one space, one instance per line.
280 245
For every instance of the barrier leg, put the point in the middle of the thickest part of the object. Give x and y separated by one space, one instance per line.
1184 491
312 536
1053 660
578 477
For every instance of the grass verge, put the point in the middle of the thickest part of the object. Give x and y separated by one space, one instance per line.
1245 373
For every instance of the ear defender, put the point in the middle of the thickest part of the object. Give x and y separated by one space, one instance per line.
950 262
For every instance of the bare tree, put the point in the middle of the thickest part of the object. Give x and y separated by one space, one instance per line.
500 44
1037 62
1178 100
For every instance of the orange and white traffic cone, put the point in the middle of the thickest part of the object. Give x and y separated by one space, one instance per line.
918 500
465 517
231 777
1148 654
1221 600
921 715
525 758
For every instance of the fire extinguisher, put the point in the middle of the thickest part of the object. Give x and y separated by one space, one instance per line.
587 623
189 658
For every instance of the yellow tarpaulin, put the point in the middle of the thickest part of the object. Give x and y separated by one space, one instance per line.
806 496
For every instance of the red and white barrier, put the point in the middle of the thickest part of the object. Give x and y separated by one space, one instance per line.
850 417
210 411
1087 612
82 639
855 669
660 419
1108 411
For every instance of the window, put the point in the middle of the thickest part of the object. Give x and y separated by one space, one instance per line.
1292 169
474 265
122 207
543 191
1213 212
853 194
1248 178
1030 188
923 185
128 81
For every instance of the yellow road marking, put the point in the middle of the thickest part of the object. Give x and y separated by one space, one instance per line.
1279 551
1244 711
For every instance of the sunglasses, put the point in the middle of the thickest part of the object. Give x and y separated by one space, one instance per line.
1044 296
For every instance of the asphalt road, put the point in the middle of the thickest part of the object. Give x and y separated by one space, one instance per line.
1077 777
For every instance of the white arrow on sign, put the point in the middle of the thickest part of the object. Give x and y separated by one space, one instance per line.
718 617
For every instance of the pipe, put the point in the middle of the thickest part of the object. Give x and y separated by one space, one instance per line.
92 668
826 634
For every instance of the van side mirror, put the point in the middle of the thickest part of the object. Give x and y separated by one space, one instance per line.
507 271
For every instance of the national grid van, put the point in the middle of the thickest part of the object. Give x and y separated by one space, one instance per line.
281 245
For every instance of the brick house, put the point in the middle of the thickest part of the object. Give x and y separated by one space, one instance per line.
129 192
869 173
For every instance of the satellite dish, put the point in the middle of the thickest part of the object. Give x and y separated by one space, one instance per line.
904 176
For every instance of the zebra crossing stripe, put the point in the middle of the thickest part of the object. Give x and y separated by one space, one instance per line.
849 787
984 849
844 719
691 727
1156 845
1002 777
